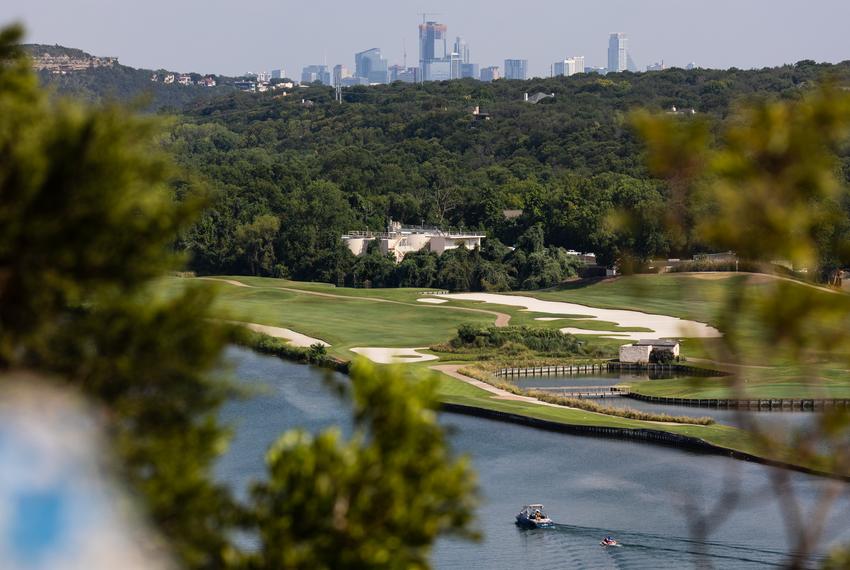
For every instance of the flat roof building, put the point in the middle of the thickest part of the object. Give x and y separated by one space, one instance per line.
400 240
618 52
370 65
516 69
490 73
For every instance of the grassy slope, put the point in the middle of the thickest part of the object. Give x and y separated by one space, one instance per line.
700 297
456 392
357 320
343 322
680 295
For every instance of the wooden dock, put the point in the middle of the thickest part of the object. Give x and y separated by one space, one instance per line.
764 404
585 392
605 367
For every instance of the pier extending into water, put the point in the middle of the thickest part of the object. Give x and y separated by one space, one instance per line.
585 392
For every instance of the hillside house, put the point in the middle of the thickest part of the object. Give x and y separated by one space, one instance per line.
537 97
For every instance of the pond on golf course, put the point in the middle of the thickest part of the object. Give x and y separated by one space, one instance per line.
638 492
772 419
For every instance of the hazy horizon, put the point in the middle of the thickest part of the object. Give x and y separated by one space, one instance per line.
233 38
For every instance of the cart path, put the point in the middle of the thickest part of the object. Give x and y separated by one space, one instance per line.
453 370
502 319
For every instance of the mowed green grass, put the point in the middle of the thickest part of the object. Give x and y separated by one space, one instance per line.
717 434
696 297
356 318
775 383
344 322
701 297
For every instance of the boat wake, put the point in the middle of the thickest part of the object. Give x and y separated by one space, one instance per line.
577 547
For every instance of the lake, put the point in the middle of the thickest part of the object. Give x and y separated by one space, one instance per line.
638 492
774 420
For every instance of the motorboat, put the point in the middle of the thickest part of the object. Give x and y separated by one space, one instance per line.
533 516
608 541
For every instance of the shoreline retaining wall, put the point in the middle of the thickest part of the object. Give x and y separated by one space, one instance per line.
647 435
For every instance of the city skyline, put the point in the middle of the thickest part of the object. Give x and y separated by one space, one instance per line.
216 37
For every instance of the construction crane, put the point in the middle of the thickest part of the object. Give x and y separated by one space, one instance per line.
426 14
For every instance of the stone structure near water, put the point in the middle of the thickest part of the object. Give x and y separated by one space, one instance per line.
641 351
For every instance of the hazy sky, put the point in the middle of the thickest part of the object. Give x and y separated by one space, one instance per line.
235 36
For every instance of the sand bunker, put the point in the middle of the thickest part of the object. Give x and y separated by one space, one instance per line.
294 338
711 275
661 325
432 300
393 355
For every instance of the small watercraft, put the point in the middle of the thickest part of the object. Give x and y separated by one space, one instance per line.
608 541
533 516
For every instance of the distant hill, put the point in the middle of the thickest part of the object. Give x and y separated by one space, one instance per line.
460 154
74 72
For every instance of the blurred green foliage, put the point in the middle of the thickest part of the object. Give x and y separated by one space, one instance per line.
336 504
87 222
772 188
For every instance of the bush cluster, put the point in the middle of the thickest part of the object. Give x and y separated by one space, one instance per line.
536 339
315 354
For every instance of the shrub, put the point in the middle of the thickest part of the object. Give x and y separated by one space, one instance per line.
537 339
661 356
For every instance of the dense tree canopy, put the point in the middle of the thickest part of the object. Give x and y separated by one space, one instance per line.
415 153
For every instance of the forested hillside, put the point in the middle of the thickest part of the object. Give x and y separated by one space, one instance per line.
291 174
123 83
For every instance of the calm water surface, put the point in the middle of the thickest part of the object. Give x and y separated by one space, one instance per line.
593 487
773 420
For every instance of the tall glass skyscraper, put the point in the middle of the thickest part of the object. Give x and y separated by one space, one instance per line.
434 60
516 69
370 65
618 53
312 73
462 49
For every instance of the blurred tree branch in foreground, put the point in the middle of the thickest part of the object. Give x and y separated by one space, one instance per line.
87 222
769 188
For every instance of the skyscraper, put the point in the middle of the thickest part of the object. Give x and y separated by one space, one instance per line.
340 73
579 59
469 70
313 73
455 65
569 66
516 69
618 53
434 57
462 48
490 73
371 66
